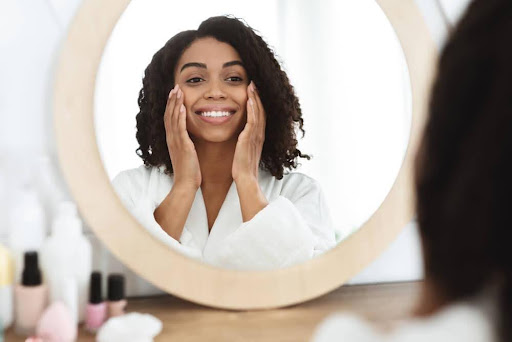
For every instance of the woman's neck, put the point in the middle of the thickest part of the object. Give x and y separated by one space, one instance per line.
430 301
215 161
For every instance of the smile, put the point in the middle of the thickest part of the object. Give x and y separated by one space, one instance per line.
215 114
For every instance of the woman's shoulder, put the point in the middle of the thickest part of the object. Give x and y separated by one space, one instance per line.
300 180
143 182
289 178
293 185
457 322
141 175
463 321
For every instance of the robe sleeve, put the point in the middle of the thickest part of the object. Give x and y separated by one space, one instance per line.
132 188
292 228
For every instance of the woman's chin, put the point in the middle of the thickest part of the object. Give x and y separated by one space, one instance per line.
216 136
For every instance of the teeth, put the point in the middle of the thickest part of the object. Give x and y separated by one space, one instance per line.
215 114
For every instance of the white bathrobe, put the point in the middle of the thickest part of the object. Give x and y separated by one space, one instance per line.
294 227
474 320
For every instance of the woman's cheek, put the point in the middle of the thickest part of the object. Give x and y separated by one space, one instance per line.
243 99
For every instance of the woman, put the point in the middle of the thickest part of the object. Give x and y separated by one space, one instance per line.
464 184
216 130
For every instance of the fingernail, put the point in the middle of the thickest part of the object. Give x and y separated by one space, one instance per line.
250 102
182 108
171 92
179 93
252 86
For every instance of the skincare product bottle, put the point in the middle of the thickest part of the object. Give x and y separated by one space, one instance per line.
66 253
26 224
96 311
116 299
68 295
6 281
30 297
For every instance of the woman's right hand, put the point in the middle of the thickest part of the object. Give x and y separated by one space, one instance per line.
183 154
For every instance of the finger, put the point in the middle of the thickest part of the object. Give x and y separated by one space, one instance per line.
251 106
177 107
261 109
169 107
182 123
251 115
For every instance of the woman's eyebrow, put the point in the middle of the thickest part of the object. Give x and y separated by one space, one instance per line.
203 66
193 64
228 64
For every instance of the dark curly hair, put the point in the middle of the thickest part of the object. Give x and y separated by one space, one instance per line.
283 113
464 167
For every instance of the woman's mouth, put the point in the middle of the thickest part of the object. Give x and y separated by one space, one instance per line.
215 114
215 117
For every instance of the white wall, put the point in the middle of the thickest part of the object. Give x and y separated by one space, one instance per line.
30 34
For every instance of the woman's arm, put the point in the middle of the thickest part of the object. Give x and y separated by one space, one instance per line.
132 186
252 199
247 158
172 213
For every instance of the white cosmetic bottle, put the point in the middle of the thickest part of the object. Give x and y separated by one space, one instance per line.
66 254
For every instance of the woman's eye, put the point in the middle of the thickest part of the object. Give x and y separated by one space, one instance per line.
234 79
194 80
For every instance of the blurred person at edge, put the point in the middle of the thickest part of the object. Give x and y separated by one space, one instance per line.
464 186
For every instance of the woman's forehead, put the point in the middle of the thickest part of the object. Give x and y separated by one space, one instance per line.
209 52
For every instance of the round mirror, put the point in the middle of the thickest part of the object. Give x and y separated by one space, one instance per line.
362 99
349 73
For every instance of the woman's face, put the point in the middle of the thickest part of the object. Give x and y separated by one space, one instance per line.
214 85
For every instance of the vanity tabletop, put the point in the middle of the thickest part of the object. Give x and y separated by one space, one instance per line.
184 321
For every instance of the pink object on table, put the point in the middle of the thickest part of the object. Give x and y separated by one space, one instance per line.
30 295
96 310
30 303
34 339
95 316
56 324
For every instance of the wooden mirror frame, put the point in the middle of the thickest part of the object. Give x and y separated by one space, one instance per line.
167 269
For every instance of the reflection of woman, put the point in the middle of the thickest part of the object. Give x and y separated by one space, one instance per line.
216 130
464 186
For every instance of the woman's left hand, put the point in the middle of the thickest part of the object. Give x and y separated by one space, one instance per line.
250 141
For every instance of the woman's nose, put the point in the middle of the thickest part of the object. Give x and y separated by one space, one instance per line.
215 91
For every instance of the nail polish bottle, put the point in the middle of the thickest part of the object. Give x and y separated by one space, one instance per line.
96 311
30 296
116 299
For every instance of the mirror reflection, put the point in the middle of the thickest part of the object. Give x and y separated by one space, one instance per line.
223 171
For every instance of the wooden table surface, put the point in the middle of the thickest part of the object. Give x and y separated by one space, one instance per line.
184 321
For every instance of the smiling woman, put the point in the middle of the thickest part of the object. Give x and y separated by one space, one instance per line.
217 131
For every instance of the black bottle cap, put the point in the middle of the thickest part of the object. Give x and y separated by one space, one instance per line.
31 275
95 288
115 287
